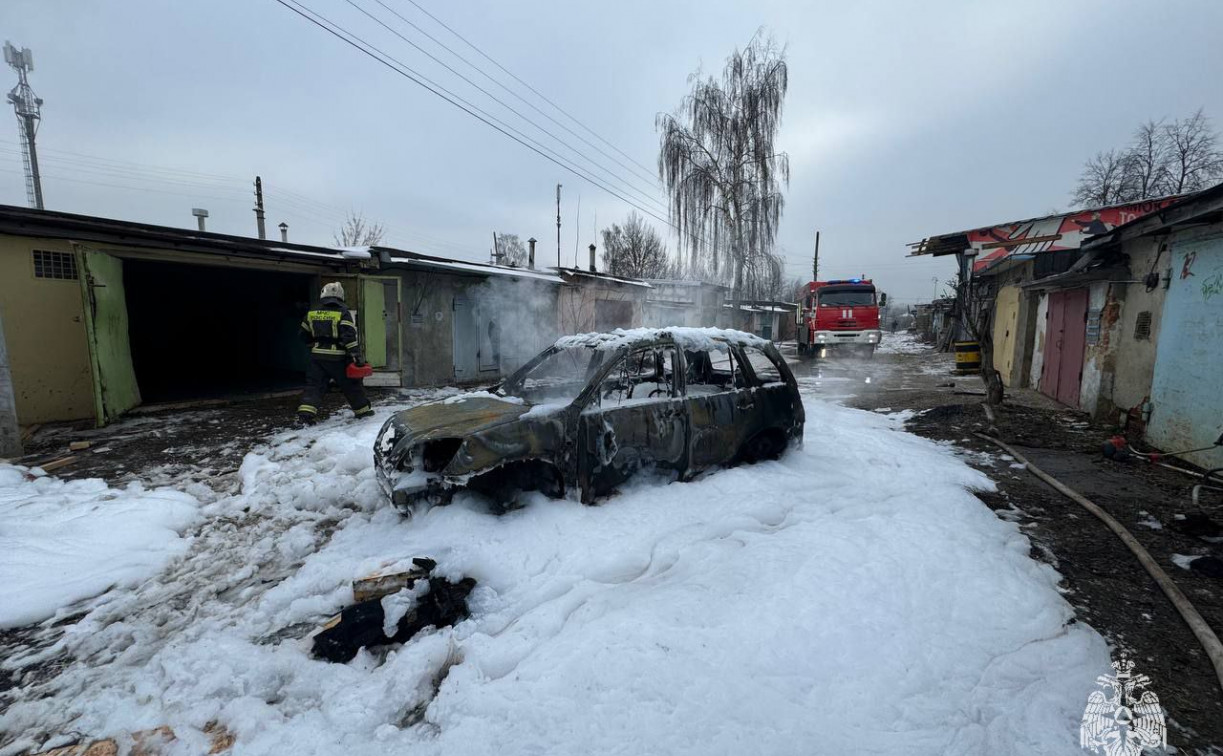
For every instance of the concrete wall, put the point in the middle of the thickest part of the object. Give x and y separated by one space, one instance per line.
45 332
1136 357
577 304
1188 405
1038 342
1099 359
524 312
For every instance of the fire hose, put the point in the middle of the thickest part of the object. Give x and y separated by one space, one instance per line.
1205 635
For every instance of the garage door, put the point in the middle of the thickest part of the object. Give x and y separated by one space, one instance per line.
1187 406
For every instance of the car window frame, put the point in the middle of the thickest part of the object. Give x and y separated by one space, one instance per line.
591 394
737 358
773 357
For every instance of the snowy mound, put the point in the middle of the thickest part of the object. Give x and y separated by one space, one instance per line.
62 541
902 343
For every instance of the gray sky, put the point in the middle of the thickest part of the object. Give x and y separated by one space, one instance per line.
902 119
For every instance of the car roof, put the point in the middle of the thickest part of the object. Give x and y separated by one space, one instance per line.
685 338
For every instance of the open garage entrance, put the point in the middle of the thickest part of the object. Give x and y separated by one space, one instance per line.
199 331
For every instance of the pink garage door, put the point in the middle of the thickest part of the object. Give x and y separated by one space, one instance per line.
1065 339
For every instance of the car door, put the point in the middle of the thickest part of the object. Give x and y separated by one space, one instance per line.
635 418
776 400
719 396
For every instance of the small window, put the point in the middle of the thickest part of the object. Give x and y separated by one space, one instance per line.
644 375
1142 326
58 265
762 365
713 371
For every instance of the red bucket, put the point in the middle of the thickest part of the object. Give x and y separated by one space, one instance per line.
357 373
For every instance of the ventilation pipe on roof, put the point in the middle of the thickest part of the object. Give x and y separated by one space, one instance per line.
592 258
200 214
531 253
284 231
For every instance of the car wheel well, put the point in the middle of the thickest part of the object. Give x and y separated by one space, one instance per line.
503 483
765 445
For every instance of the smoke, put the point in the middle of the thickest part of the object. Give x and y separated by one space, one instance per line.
516 318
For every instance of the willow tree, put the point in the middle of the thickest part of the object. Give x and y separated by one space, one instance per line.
718 162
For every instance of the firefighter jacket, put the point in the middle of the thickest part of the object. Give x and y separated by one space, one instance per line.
331 332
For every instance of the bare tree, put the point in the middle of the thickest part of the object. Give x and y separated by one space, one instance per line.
1194 160
358 232
1163 159
764 277
718 161
510 250
1146 163
635 250
1103 181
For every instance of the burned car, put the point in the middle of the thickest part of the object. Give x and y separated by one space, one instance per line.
590 411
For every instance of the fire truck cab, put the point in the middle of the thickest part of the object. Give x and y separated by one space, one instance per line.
840 315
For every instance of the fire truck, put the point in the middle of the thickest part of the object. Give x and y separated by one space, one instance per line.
838 316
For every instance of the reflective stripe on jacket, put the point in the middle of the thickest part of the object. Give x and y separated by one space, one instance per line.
330 330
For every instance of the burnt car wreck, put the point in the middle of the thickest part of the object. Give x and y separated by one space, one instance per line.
592 410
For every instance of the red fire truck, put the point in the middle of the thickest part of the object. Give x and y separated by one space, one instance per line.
838 316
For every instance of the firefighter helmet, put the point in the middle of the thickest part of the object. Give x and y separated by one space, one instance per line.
334 289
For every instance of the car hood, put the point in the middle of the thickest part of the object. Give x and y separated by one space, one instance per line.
457 417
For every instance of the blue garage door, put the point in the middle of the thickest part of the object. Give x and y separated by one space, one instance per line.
1187 404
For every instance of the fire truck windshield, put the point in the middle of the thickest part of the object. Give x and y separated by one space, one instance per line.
861 297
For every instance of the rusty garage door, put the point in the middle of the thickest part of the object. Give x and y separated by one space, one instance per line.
1065 338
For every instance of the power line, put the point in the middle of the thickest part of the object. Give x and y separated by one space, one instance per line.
538 94
296 207
458 102
653 178
597 166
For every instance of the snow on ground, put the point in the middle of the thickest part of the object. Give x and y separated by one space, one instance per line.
63 541
852 597
901 342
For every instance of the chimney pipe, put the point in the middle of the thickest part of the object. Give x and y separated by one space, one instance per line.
200 214
531 253
592 258
284 231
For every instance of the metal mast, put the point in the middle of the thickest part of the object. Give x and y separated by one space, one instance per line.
29 115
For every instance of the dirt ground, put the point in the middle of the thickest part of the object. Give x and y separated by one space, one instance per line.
1102 579
159 447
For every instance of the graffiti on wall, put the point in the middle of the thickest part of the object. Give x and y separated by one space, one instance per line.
1055 232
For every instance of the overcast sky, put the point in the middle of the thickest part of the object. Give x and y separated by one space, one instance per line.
902 119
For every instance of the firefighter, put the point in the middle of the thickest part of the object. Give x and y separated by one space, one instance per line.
332 335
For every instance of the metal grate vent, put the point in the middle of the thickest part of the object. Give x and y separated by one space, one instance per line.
60 265
1142 326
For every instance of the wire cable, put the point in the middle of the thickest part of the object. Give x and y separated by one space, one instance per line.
646 174
491 121
537 93
608 173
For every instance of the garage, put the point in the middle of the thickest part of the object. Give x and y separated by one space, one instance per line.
199 331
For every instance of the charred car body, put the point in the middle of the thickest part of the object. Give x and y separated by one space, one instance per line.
590 411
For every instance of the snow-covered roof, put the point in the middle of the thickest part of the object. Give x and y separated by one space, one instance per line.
477 268
688 338
579 273
355 253
684 282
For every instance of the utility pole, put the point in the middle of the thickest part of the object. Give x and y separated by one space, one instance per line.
29 114
577 230
815 261
558 225
259 207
